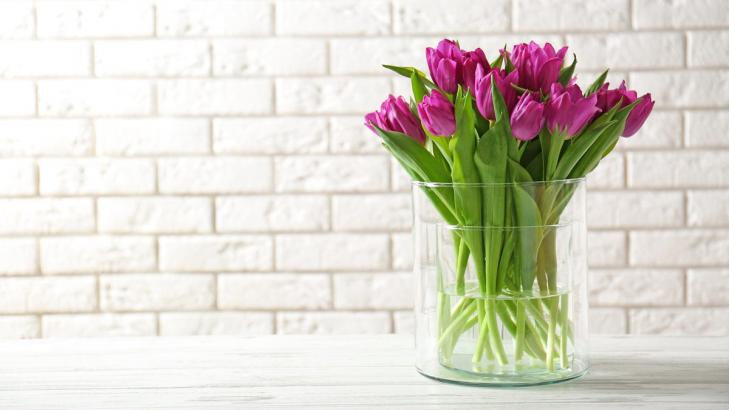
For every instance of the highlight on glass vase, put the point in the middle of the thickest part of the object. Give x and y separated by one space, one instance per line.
498 153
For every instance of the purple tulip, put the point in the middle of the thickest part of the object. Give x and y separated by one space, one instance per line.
607 98
484 101
568 111
538 67
437 114
445 63
638 115
527 118
395 115
472 61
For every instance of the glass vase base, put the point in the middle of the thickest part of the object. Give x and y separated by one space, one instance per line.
436 371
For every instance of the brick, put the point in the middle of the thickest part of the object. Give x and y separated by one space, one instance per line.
571 15
151 58
272 56
16 20
215 97
17 98
708 208
680 321
607 321
400 181
341 17
642 287
154 215
102 253
671 169
606 248
18 256
707 128
215 175
153 136
627 50
366 55
19 327
44 58
684 89
151 291
610 173
333 323
280 213
256 291
330 95
402 251
48 294
215 253
72 19
622 209
332 252
46 215
708 287
96 176
404 322
100 325
272 135
91 97
661 130
374 291
45 137
704 48
432 16
331 174
221 18
679 248
18 177
389 212
680 13
215 323
350 136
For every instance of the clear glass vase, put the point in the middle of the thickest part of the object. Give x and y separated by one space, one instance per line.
503 301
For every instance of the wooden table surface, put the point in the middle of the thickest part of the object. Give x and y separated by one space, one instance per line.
211 372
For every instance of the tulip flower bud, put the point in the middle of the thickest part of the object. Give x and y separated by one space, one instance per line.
437 114
445 65
472 61
527 118
484 100
638 115
538 67
395 115
568 111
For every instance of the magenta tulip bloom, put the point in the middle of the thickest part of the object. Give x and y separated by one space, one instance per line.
638 115
437 114
607 98
445 63
395 115
484 101
538 67
472 62
527 118
568 111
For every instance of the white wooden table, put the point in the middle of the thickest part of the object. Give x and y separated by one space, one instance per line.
338 372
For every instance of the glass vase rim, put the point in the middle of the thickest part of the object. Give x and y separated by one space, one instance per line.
566 181
500 228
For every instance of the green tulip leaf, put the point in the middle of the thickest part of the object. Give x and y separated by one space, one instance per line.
597 83
565 74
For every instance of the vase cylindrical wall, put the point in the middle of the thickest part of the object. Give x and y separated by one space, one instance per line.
502 298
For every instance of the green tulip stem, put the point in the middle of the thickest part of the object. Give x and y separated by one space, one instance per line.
520 325
564 330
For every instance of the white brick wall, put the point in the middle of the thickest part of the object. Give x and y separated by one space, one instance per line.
177 167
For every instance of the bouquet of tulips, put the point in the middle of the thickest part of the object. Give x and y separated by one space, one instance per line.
517 119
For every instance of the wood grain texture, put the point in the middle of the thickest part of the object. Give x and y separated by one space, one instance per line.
211 372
